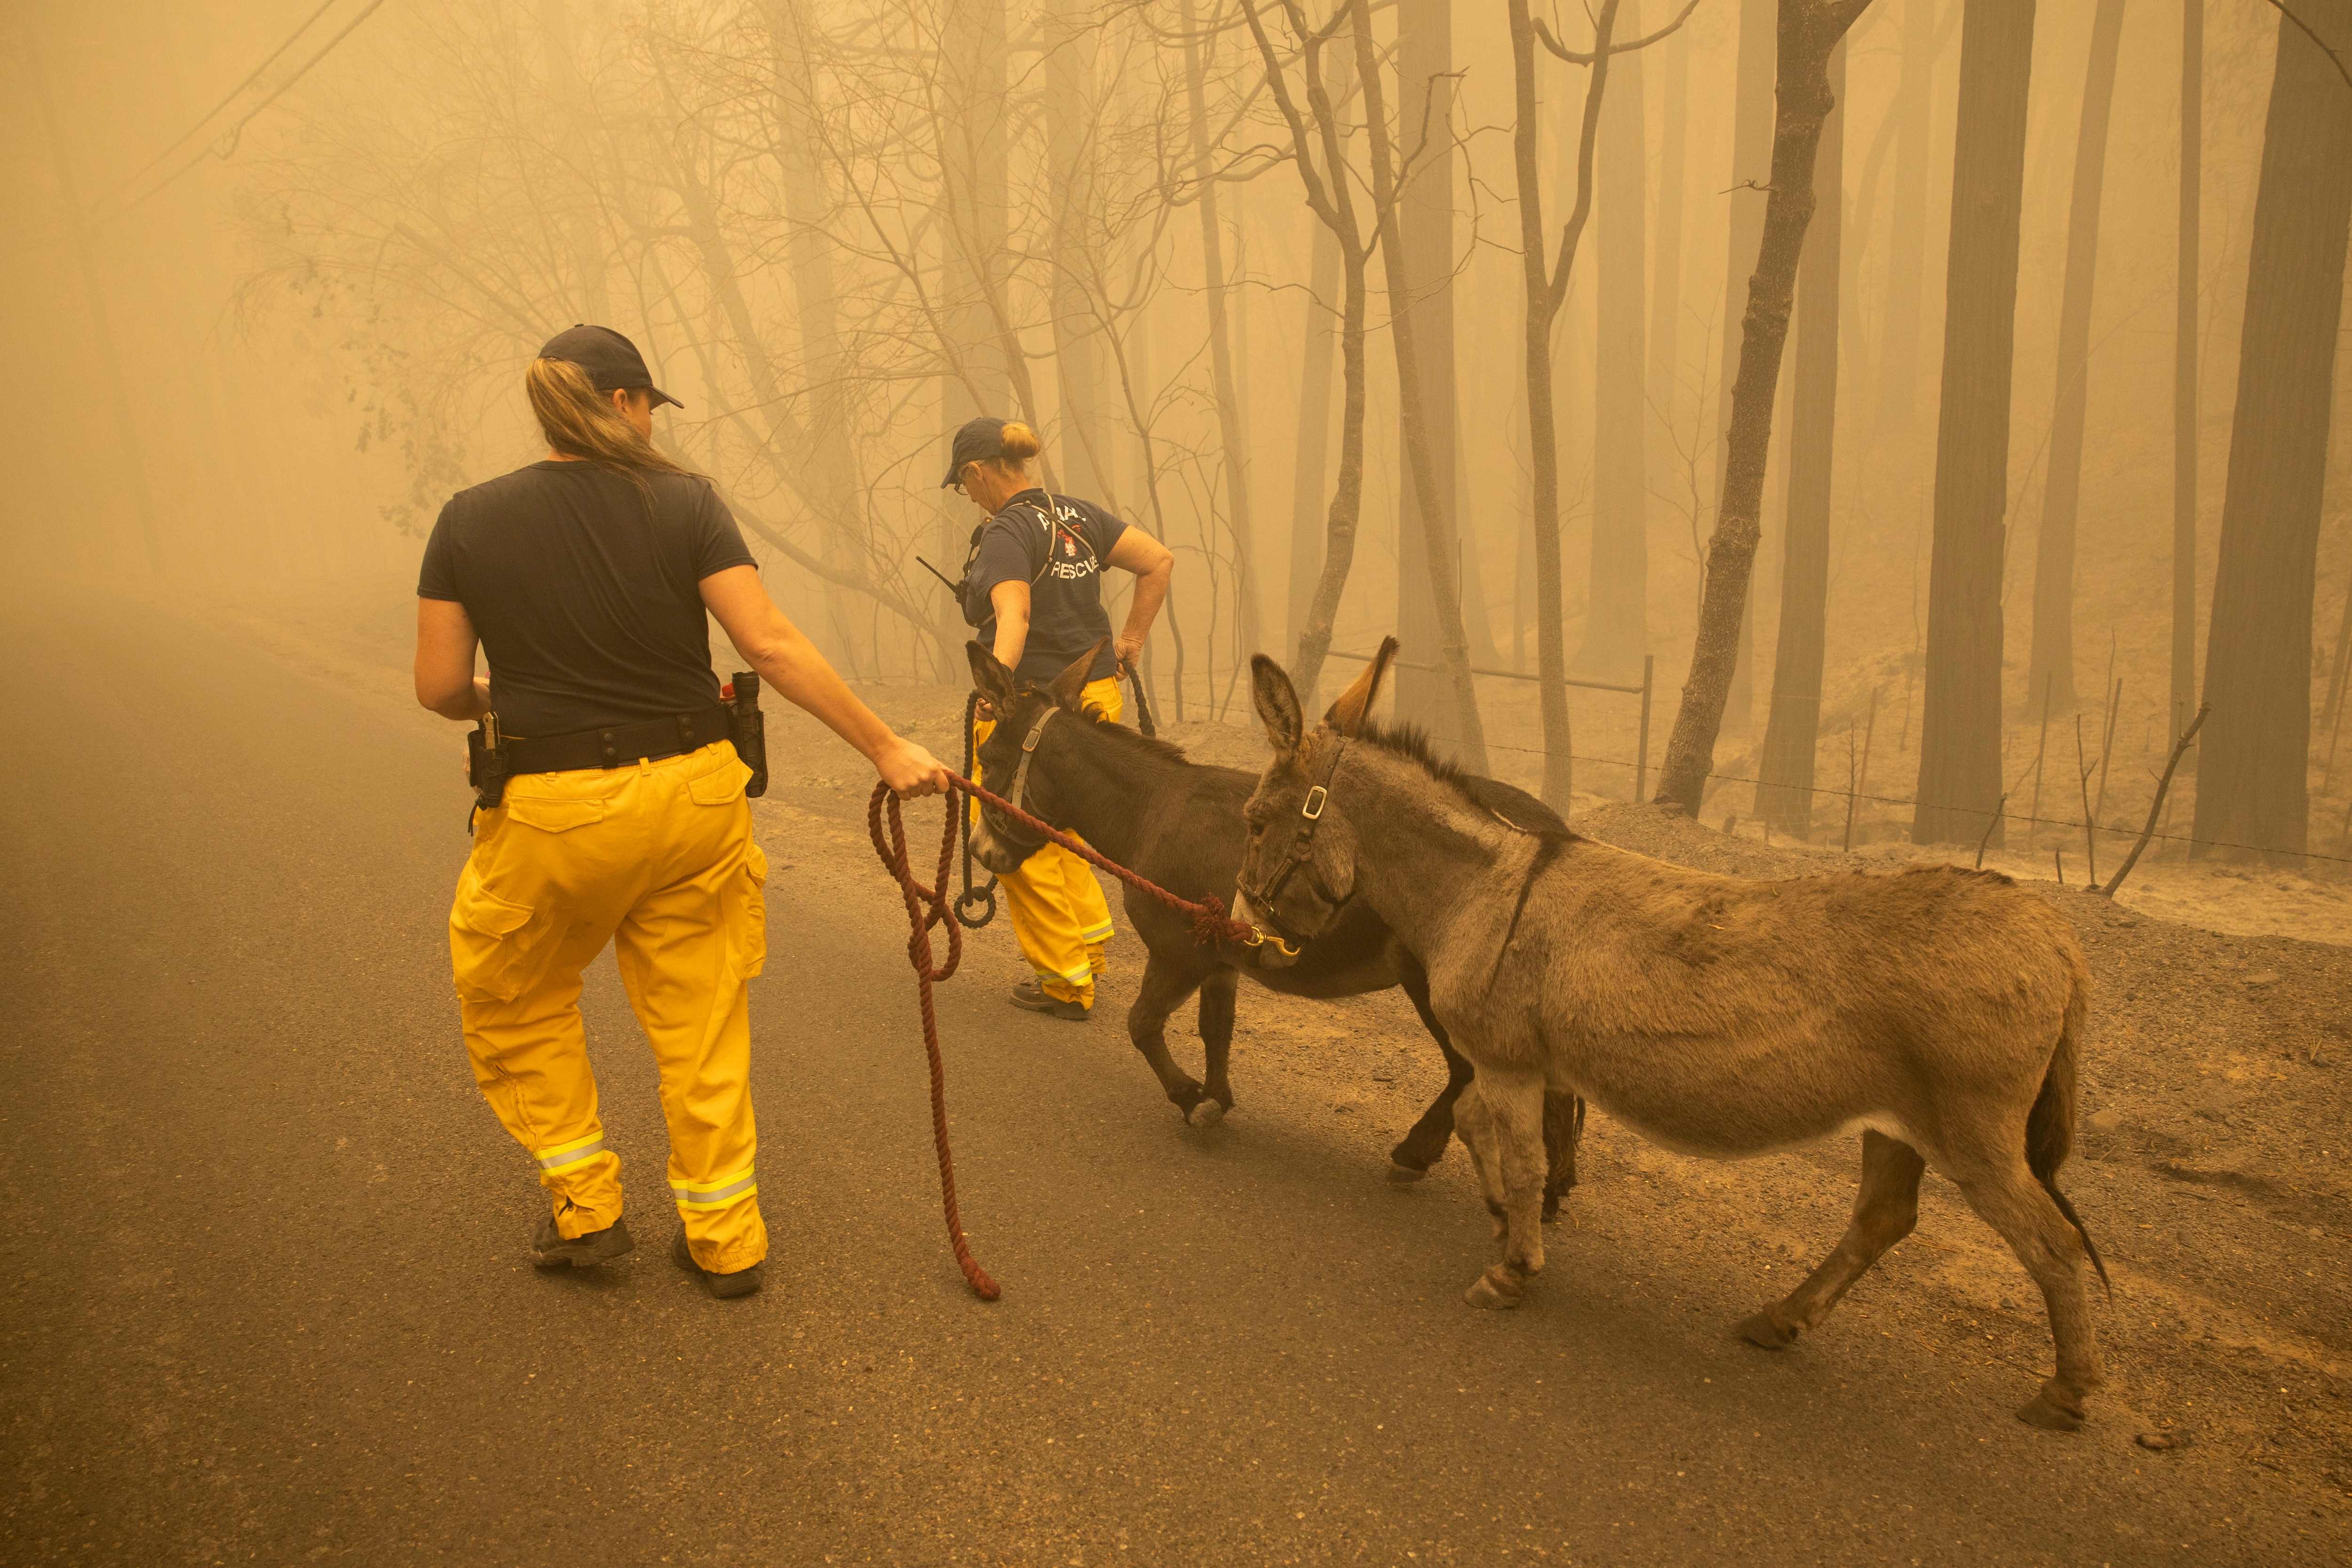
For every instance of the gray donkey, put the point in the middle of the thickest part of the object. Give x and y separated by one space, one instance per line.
1178 824
1935 1012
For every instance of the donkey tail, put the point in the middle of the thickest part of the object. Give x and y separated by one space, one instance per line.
2050 1125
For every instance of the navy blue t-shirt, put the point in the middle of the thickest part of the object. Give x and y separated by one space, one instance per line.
588 600
1057 545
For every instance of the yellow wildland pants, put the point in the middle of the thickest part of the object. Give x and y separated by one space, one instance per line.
1059 917
658 859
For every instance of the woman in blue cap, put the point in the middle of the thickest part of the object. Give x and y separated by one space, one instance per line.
1034 590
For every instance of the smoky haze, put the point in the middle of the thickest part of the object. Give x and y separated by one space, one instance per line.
277 270
1884 486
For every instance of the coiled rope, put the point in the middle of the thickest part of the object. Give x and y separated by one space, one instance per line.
928 905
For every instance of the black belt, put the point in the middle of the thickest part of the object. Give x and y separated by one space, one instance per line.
617 745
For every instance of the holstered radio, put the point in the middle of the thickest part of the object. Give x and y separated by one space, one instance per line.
486 763
750 729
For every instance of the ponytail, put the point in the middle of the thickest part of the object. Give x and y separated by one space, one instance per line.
580 422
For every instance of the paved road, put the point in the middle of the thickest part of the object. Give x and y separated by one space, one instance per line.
267 1302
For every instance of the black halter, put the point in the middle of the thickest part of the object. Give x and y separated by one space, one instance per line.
1302 850
1019 794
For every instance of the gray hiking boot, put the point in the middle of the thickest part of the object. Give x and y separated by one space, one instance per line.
549 1249
1030 997
742 1282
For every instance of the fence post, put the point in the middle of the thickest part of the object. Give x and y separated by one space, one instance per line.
1642 752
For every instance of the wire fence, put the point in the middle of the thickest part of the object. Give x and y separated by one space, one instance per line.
2001 813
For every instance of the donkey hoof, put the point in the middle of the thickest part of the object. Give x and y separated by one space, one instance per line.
2049 1415
1497 1290
1404 1176
1208 1113
1765 1329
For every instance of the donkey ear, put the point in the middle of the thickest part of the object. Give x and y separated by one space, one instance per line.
1355 704
1070 685
990 677
1277 704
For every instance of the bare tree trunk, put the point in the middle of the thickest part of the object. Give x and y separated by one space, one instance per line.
2253 779
1318 151
1809 30
809 252
1960 732
1785 798
2184 370
1752 152
1424 57
1666 268
1616 630
1233 436
1453 646
2052 659
1307 478
974 225
1545 288
1071 108
1906 262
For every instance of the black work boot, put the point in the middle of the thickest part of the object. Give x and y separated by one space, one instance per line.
549 1249
742 1282
1030 997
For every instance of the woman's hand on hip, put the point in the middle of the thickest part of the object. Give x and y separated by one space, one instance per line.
909 770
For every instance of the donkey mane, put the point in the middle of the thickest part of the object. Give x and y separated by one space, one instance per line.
1410 742
1135 740
1150 745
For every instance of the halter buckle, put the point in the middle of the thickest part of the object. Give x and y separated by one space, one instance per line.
1313 808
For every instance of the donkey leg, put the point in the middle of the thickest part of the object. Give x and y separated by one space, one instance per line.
1563 1131
2008 1198
1164 987
1425 1144
1217 1040
1510 1151
1885 1211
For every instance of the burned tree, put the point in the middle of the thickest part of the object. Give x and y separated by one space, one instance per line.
2052 667
2252 777
1546 285
1809 31
1785 798
1960 736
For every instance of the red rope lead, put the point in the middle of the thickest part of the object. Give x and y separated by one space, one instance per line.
1210 919
928 907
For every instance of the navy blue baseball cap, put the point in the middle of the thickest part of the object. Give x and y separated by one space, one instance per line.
612 360
977 441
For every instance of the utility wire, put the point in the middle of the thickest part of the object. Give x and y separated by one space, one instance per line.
230 135
210 114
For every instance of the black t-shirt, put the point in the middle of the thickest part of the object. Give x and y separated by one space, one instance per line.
585 598
1061 560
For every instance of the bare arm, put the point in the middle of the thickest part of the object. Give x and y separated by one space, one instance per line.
1011 602
445 681
1154 564
788 661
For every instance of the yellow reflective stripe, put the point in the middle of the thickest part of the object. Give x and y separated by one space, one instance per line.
1096 933
715 1194
563 1155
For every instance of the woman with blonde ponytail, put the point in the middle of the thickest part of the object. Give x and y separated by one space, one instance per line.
587 578
1033 587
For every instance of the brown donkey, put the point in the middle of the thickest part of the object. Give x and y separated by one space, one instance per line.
1935 1012
1178 824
